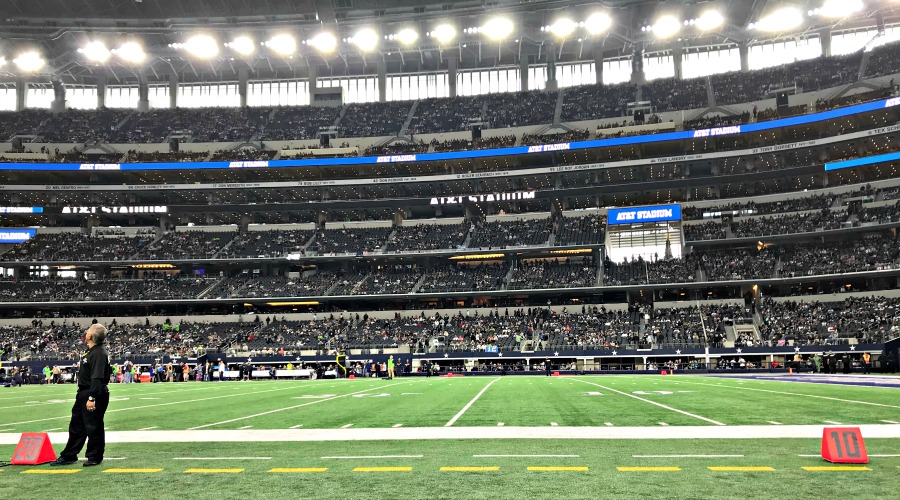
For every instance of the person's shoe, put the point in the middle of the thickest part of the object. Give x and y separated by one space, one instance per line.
62 461
91 462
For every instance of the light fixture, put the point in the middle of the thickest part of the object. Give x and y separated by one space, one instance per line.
324 42
598 22
666 26
29 62
2 62
283 44
837 8
95 51
443 33
406 36
202 46
562 27
131 52
709 20
497 28
365 39
242 45
783 19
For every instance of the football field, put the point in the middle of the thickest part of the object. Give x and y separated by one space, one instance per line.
466 437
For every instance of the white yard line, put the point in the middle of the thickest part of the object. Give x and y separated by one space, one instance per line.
148 428
222 458
798 394
296 426
676 410
245 427
370 456
287 408
832 422
608 424
526 456
397 425
774 422
469 404
347 426
890 422
870 431
687 456
169 403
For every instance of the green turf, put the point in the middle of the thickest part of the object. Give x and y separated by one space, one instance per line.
418 402
513 480
513 401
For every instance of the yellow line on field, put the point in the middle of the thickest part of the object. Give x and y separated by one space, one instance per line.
41 471
213 471
127 471
299 469
740 469
555 469
382 469
648 469
468 469
836 468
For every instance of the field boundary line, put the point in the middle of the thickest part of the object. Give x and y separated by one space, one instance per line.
870 431
795 394
676 410
290 407
469 404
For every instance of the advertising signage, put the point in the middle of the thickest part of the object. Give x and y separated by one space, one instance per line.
16 235
639 215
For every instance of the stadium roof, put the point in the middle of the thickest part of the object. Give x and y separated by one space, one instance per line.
58 28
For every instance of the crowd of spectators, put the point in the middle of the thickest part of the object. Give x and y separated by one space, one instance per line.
451 114
884 60
350 240
81 126
585 230
789 224
202 125
671 94
271 243
592 102
77 246
424 237
736 264
497 141
187 245
702 232
298 122
389 279
518 109
867 253
374 119
553 273
464 277
570 136
133 156
866 319
510 233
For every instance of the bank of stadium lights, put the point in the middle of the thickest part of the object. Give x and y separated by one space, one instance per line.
366 39
597 23
664 27
243 45
707 21
837 8
282 44
130 52
562 27
783 19
324 42
406 36
496 28
29 62
443 33
95 51
202 46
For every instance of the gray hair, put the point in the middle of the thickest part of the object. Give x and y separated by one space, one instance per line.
99 332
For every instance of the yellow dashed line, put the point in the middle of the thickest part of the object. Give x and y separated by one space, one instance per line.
213 471
382 469
555 469
52 471
299 469
469 469
740 469
648 469
129 471
836 468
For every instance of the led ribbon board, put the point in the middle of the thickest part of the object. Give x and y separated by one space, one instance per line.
17 235
639 215
465 155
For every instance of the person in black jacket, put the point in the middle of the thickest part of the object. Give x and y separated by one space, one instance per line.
91 402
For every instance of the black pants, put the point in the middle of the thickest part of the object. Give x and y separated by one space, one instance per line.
87 426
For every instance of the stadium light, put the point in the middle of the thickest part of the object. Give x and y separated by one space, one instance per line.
837 8
562 27
497 28
783 19
2 62
242 45
202 46
709 20
283 44
598 22
29 62
443 33
130 52
324 42
406 36
666 26
95 51
365 39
